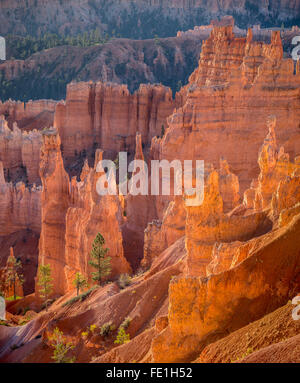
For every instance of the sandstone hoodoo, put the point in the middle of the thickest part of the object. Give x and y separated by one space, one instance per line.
202 264
236 79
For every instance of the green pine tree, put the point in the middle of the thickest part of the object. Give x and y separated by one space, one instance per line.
13 273
79 282
99 260
44 281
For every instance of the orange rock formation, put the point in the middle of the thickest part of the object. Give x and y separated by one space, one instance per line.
108 116
237 79
20 150
19 207
31 115
245 280
72 215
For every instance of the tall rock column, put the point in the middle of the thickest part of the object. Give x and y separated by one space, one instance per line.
55 202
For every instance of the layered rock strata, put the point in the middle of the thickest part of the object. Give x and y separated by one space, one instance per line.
20 153
246 278
72 215
108 116
236 79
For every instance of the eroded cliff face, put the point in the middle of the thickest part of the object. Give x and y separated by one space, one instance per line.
107 116
245 281
237 78
90 214
19 207
30 115
72 215
20 153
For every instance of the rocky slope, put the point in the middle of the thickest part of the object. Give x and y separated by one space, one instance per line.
20 153
122 61
135 19
205 305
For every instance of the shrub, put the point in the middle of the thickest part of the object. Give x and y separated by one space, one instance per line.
80 297
122 337
4 323
24 321
84 334
140 271
92 328
124 281
61 347
126 322
106 329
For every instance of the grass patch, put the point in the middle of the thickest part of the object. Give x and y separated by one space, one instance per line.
10 299
4 323
80 297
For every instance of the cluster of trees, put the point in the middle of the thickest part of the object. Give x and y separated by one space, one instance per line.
99 261
23 47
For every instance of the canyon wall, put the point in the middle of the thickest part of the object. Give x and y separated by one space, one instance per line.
30 115
236 280
19 207
20 153
237 78
108 116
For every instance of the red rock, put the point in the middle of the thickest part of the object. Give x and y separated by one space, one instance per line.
108 116
236 79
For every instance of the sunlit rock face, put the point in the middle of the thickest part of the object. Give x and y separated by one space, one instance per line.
72 215
231 279
238 83
107 116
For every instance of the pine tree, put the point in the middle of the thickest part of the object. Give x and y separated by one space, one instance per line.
13 273
61 347
79 282
44 281
99 260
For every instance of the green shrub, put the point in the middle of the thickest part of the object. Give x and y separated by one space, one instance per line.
124 281
122 337
25 310
80 297
61 347
4 323
126 322
106 329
